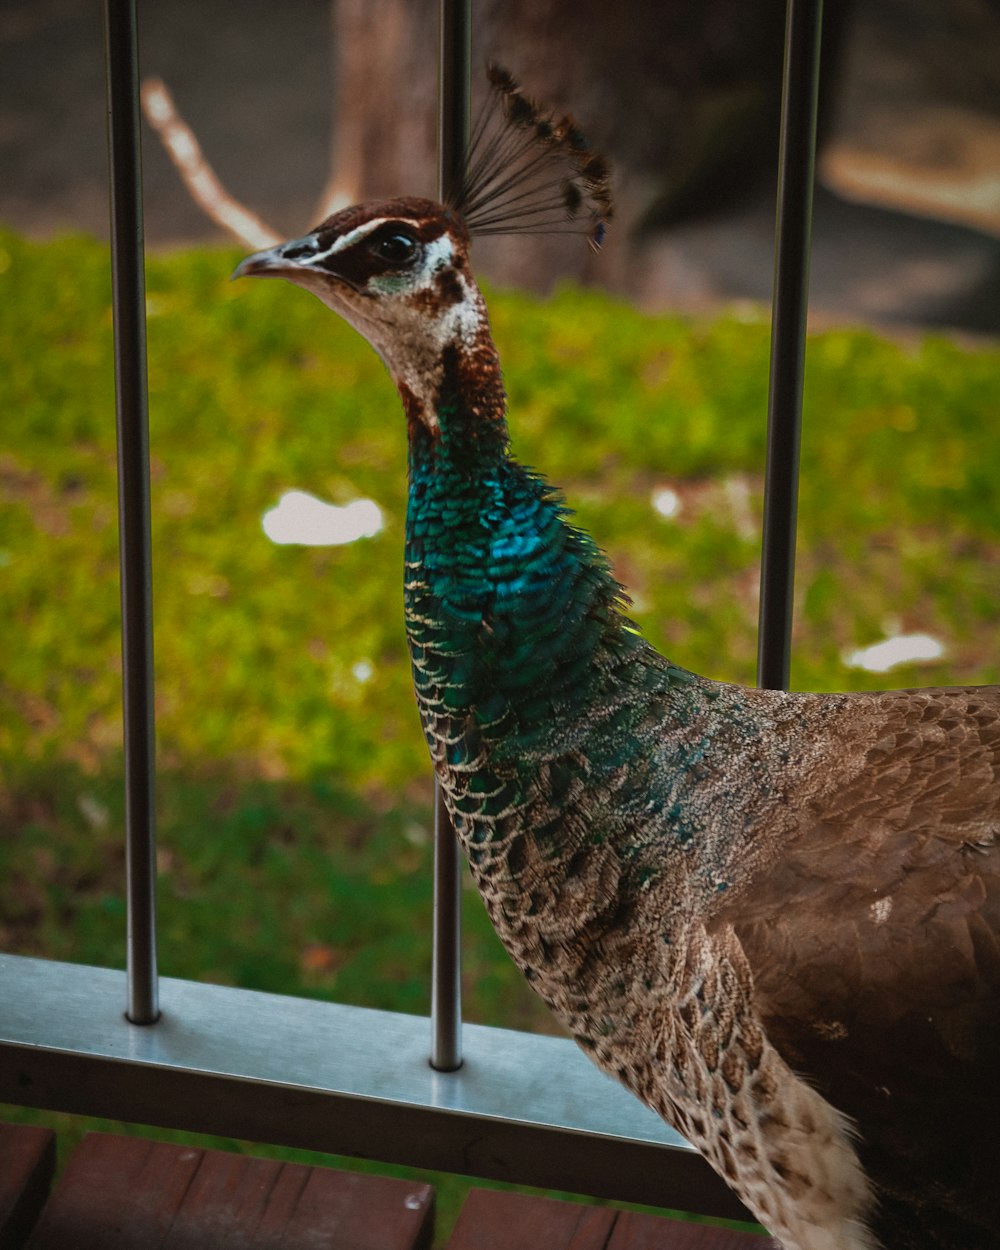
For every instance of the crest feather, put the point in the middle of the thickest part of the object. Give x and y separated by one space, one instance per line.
529 171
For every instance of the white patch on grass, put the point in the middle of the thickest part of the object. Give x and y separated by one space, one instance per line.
302 518
93 811
666 502
737 492
891 652
363 671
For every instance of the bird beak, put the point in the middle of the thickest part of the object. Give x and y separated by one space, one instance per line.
278 262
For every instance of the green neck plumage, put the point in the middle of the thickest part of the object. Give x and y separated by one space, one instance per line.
532 683
509 607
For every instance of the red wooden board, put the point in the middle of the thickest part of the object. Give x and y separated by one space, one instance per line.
126 1193
653 1232
491 1220
27 1161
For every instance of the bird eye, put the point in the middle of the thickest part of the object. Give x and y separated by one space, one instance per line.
395 249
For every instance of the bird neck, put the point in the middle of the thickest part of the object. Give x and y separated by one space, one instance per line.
459 454
527 671
460 479
446 367
507 603
460 422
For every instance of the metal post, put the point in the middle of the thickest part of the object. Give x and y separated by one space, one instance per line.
129 299
796 168
454 94
446 974
446 965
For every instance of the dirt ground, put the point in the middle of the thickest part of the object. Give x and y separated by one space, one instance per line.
907 216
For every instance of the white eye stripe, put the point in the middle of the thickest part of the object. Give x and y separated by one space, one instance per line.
439 251
349 239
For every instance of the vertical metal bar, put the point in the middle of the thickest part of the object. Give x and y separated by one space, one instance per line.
796 169
454 94
446 974
129 299
446 966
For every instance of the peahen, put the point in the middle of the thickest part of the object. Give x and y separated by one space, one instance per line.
773 916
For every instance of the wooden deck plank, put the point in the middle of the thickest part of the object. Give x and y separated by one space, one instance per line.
115 1194
653 1232
491 1220
27 1163
227 1200
126 1193
372 1212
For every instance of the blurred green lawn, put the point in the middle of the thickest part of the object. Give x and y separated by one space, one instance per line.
293 788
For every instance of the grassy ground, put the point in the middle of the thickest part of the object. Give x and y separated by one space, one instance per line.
293 792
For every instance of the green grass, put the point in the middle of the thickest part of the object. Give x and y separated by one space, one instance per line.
294 797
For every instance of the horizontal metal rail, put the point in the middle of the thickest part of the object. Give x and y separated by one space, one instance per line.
347 1080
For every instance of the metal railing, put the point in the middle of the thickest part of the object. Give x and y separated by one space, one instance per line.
454 70
321 1075
135 545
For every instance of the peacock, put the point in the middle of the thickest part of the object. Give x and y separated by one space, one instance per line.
775 917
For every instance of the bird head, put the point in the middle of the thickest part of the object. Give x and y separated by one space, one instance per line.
396 270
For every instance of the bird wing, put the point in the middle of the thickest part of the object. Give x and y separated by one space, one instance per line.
873 938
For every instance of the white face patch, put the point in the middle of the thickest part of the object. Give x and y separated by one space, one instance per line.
438 255
413 320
